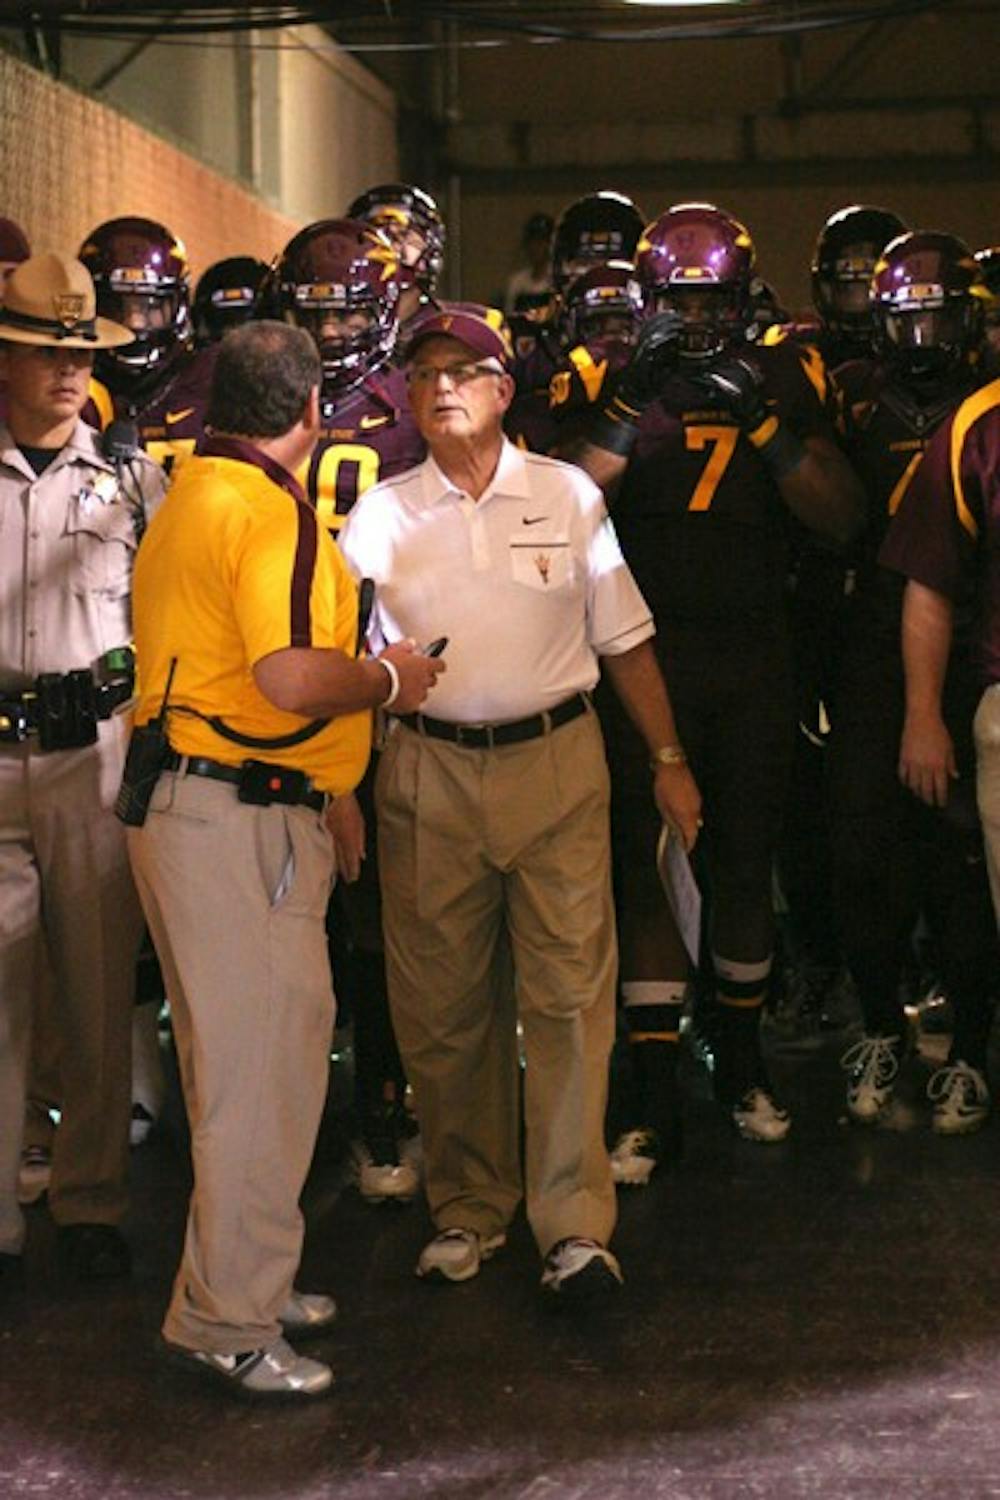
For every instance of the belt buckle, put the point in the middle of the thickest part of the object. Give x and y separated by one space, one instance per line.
468 734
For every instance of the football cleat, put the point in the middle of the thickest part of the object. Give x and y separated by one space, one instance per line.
635 1157
758 1117
872 1065
961 1099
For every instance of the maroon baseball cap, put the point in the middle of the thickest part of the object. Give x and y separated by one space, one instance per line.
482 329
13 242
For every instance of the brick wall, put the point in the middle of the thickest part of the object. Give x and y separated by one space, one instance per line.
68 163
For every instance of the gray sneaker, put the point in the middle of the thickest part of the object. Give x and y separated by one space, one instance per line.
276 1373
306 1314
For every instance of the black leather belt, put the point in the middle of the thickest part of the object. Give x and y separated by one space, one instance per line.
489 736
217 770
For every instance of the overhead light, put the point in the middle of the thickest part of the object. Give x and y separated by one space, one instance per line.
679 4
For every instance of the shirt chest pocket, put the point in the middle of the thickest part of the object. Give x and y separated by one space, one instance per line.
542 563
102 536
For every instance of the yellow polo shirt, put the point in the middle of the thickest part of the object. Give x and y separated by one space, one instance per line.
235 566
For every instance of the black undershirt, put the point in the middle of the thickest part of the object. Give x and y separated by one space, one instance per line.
39 458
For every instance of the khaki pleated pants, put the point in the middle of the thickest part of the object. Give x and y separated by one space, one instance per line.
495 865
66 896
235 897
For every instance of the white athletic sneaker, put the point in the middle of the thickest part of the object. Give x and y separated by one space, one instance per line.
758 1118
872 1065
456 1254
961 1099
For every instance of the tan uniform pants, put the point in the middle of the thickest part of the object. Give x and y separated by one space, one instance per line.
490 857
235 897
986 728
64 874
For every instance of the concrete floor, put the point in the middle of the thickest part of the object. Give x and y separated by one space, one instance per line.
819 1318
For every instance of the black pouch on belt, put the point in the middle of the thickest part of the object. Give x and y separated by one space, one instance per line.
262 783
66 710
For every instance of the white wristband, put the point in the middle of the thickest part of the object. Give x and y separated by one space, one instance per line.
390 667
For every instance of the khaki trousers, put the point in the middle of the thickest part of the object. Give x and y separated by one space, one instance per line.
64 878
235 897
986 728
497 861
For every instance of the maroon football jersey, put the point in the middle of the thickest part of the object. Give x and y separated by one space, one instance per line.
946 532
699 516
885 429
172 419
368 436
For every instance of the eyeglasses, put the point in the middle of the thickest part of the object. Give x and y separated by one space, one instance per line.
425 377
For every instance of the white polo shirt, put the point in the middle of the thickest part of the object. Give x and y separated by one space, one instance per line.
528 582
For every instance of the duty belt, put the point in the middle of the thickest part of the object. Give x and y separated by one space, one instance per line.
491 736
61 708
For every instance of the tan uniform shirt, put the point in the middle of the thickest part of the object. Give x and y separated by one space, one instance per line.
67 543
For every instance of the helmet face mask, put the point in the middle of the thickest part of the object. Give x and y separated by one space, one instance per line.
847 251
603 307
698 261
338 280
597 229
927 300
226 296
141 278
714 318
412 223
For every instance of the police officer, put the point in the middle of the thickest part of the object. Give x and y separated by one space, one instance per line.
70 521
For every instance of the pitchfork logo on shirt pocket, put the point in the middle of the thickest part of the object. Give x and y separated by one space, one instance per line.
540 564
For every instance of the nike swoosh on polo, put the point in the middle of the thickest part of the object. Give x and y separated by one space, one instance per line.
532 520
178 416
368 422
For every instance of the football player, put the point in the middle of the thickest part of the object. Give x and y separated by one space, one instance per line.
601 312
339 279
710 451
814 985
159 382
14 248
226 297
988 261
891 854
593 230
412 223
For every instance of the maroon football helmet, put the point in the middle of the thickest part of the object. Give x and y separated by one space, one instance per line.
928 295
600 227
141 275
847 249
338 279
604 305
698 260
412 223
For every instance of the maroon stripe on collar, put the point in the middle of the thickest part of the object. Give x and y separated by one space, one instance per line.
244 452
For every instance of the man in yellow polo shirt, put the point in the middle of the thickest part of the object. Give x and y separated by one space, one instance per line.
245 624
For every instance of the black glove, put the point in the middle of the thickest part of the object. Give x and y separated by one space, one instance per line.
737 386
653 361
